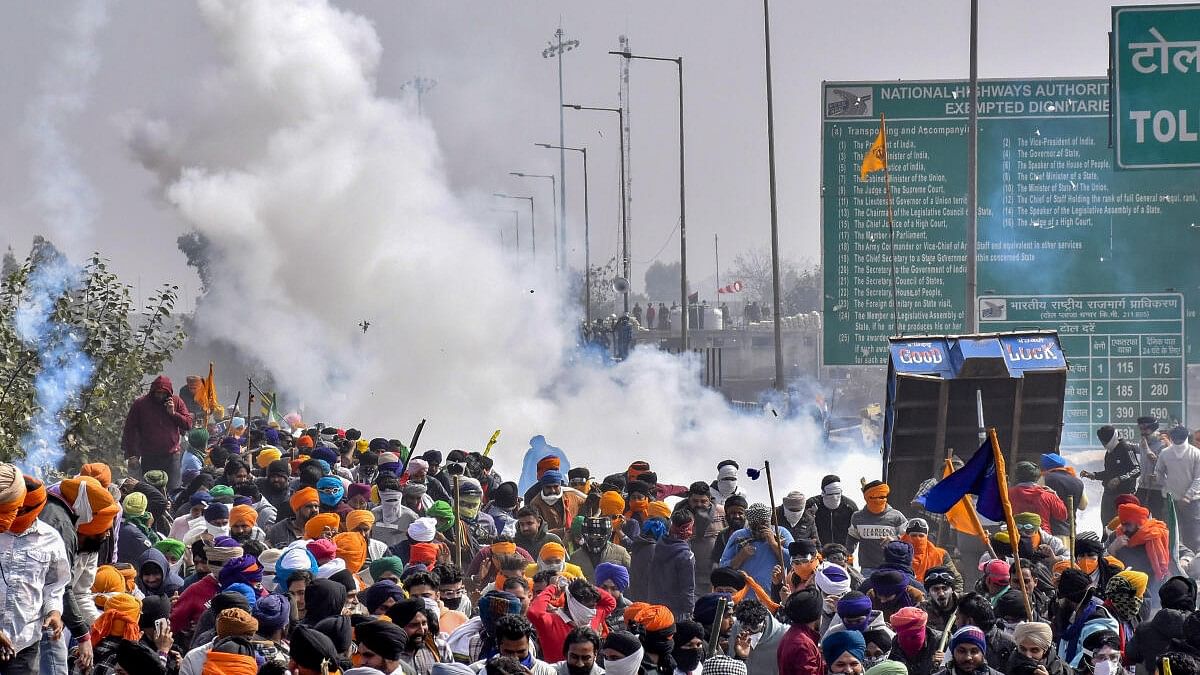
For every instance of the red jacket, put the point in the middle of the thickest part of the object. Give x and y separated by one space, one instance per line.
552 628
798 652
149 428
1038 499
192 603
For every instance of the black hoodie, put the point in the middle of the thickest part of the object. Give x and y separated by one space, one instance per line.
1153 638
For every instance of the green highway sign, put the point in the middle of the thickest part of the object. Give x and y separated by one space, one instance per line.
1124 355
1156 83
1054 216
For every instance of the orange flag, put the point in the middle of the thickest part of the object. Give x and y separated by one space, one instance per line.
208 398
876 157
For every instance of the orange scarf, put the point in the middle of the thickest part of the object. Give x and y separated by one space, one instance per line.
1153 535
1067 469
116 624
763 596
222 663
925 555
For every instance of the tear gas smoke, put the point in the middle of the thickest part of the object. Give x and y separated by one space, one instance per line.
327 204
67 205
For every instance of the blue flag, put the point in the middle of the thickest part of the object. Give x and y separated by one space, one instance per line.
977 477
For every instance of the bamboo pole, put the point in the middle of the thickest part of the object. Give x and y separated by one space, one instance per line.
1014 534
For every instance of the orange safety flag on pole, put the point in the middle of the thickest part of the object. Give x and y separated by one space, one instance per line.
876 157
208 399
962 516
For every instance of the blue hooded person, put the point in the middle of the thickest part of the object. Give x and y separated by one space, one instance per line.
539 450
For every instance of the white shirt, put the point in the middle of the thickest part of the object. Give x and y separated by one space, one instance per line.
34 571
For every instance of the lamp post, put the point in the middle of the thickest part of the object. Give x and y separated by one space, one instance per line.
678 61
532 231
420 85
624 220
587 245
554 198
516 228
776 302
556 50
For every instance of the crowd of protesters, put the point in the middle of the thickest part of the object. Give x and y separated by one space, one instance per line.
249 547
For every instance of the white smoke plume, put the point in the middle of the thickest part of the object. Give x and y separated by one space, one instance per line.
67 205
328 205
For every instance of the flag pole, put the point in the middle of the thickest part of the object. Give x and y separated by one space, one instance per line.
974 516
1014 535
887 188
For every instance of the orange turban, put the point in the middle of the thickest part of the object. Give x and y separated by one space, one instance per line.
655 618
243 514
547 463
352 548
881 490
12 494
35 501
317 524
93 505
358 517
659 510
99 471
120 619
632 610
423 552
636 469
129 574
612 503
1132 513
504 548
552 550
108 580
304 496
305 441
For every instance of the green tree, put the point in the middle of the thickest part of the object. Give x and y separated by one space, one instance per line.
126 344
662 282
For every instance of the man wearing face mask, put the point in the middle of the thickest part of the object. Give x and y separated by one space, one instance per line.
941 600
854 612
598 548
926 555
673 567
553 558
556 506
688 651
832 513
802 573
1090 557
794 516
875 525
477 529
735 519
392 517
726 486
755 637
561 607
757 548
710 521
1142 543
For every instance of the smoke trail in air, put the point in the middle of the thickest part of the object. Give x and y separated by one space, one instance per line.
326 204
67 205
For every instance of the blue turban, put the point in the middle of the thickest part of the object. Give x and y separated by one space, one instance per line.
495 604
330 490
324 466
244 569
271 436
273 612
216 511
1052 460
612 572
242 500
655 528
200 497
294 559
837 643
231 444
854 603
327 455
378 593
243 589
706 607
552 477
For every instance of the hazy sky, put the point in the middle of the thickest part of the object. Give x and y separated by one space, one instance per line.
496 96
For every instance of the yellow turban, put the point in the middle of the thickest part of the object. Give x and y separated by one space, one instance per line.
317 524
267 455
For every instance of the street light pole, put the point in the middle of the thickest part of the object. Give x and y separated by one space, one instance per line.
776 302
554 199
556 51
678 61
532 230
516 228
625 262
587 239
420 85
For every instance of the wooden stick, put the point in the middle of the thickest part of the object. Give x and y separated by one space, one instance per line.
458 523
714 637
774 520
412 445
1014 535
1071 515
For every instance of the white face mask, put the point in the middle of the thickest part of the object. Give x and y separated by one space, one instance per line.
628 665
557 568
581 615
551 499
1104 667
727 486
831 501
792 517
216 530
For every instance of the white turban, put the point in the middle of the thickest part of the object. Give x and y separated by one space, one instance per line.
422 529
